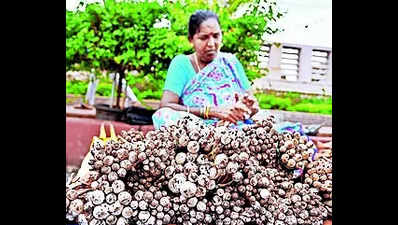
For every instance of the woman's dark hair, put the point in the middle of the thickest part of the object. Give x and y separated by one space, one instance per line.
197 18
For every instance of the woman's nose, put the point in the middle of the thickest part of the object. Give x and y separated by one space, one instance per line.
211 42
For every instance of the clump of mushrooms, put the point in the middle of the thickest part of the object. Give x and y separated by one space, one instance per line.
193 173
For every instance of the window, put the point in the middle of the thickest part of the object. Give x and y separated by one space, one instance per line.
263 56
320 64
290 63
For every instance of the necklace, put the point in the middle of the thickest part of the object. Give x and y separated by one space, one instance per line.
196 61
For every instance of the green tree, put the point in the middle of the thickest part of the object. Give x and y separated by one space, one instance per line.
113 36
125 36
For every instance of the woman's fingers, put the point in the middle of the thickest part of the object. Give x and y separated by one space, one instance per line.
242 107
231 118
240 114
256 108
252 103
249 100
235 118
232 114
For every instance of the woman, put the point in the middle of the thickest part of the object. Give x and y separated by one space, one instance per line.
207 83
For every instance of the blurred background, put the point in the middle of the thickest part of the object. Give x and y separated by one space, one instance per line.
306 22
294 62
289 63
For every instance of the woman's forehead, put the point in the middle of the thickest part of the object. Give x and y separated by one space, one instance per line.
209 26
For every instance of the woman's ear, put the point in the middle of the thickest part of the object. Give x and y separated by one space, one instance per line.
191 43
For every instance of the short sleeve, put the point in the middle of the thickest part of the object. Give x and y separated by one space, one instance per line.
176 75
241 74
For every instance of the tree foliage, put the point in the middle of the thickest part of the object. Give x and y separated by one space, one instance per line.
126 36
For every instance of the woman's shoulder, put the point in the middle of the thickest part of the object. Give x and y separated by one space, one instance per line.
228 56
181 58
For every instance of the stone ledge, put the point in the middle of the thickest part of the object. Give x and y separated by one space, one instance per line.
325 132
319 88
295 117
76 100
71 111
320 139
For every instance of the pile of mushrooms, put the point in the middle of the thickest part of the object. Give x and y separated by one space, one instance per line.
193 173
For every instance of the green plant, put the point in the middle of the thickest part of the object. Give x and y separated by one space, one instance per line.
76 87
125 36
104 89
113 36
295 102
69 101
80 88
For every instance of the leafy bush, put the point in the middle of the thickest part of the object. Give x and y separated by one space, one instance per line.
80 88
76 87
124 36
294 102
104 89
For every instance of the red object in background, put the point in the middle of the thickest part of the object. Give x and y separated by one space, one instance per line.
146 128
320 139
79 133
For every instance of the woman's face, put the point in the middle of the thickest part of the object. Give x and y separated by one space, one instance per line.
207 40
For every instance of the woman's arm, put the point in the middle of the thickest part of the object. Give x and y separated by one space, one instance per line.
170 99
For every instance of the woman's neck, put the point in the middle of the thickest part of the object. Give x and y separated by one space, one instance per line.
198 63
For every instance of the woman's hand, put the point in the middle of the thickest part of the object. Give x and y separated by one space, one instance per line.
246 104
230 113
251 102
